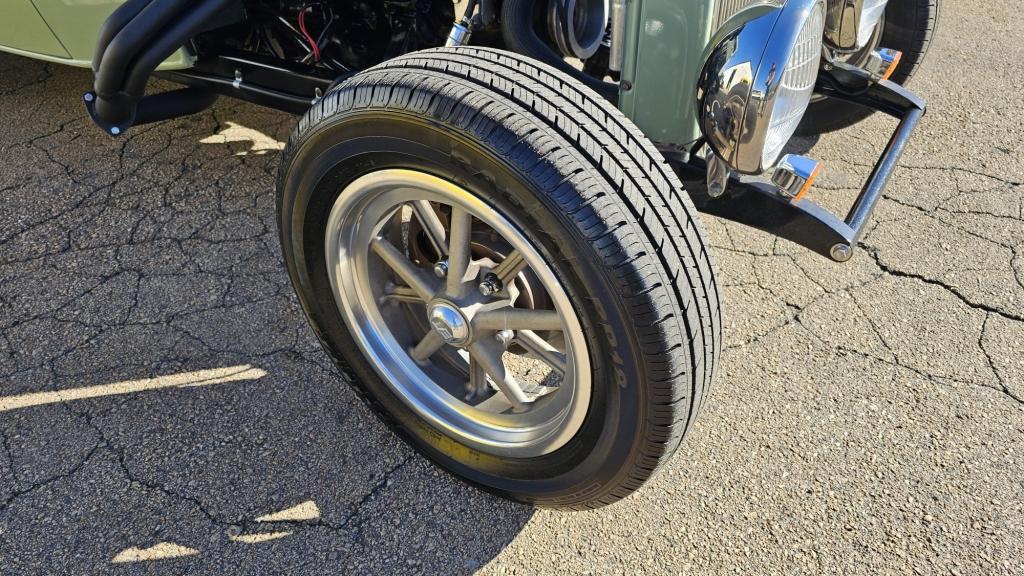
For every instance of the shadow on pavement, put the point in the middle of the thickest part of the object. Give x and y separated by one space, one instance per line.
163 406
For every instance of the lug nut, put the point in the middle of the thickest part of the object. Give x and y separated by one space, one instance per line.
441 269
490 285
505 337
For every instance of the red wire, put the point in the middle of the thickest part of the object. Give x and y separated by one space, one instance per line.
312 43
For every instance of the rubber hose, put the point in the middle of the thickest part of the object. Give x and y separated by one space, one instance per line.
521 37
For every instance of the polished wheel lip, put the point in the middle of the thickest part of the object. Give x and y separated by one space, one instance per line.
354 222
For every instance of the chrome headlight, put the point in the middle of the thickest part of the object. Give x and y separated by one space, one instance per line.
850 23
758 81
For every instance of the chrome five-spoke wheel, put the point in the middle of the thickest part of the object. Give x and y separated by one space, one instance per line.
459 312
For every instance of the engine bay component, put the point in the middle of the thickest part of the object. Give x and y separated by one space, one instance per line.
462 29
578 26
334 36
522 31
135 40
617 36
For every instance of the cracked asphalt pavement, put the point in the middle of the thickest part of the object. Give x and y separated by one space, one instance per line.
164 408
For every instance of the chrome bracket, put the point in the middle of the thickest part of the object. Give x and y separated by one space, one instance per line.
770 208
718 173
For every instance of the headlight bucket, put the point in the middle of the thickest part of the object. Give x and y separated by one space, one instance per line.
747 71
849 23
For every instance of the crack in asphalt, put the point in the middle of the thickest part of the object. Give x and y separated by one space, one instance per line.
4 443
17 493
949 288
991 362
245 524
796 310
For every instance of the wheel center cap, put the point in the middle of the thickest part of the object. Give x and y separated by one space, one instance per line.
449 323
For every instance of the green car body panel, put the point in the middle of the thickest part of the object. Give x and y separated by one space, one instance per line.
25 32
665 42
62 31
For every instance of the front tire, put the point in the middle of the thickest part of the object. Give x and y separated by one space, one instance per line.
908 26
546 169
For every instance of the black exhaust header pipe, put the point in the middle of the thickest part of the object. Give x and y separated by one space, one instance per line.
135 39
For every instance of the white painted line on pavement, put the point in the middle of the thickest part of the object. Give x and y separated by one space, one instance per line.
182 380
161 551
308 510
258 538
